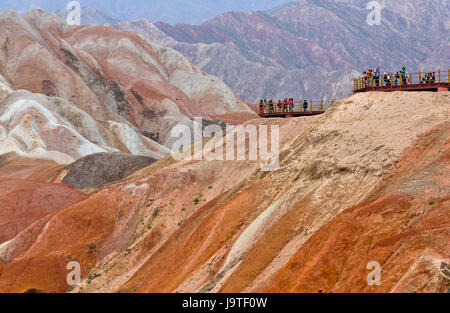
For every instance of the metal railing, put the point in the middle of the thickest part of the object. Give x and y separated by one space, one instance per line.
311 106
399 79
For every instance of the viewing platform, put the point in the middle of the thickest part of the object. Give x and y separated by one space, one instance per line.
299 108
421 81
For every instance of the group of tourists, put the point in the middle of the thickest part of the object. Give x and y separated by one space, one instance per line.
285 106
429 78
374 78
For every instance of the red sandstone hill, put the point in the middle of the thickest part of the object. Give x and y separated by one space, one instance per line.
67 92
367 181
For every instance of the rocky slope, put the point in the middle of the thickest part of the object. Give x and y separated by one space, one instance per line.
98 170
67 92
309 48
25 202
366 181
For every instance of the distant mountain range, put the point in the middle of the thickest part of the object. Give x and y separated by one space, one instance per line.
172 12
304 49
310 48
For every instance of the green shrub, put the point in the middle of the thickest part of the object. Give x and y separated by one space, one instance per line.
93 276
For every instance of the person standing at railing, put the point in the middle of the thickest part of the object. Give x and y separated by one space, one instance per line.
261 107
279 106
364 79
396 78
271 106
291 105
370 78
425 79
305 106
387 79
376 76
404 74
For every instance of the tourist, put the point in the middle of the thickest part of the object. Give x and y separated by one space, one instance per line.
432 77
271 106
396 78
426 78
305 105
376 76
387 79
404 74
364 79
370 78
